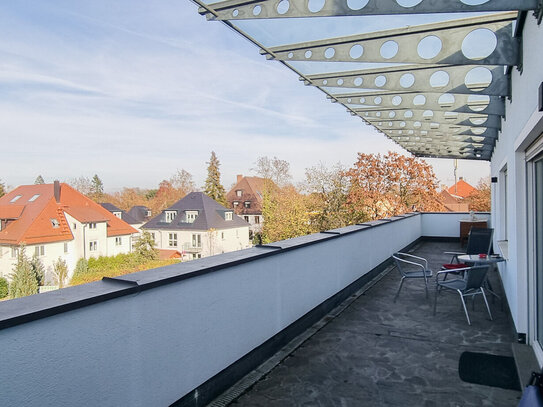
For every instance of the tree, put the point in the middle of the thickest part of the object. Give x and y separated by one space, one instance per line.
479 199
145 247
2 189
23 279
81 267
213 187
328 189
82 184
60 270
4 288
286 213
273 169
38 269
183 182
389 185
39 180
97 188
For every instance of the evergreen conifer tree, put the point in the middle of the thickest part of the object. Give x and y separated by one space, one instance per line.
213 187
23 279
96 188
39 180
38 269
2 189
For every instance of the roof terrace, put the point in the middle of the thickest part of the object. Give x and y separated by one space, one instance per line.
186 333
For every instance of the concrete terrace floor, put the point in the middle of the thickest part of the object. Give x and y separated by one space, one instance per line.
381 353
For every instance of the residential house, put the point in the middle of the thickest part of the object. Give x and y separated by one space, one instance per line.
246 198
56 221
197 226
453 203
461 189
141 214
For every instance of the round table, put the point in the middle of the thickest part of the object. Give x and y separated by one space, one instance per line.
478 261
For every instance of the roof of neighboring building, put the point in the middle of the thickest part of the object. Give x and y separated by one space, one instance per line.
42 219
124 215
211 215
165 254
461 189
452 203
252 191
139 213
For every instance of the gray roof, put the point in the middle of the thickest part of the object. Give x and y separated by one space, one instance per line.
124 216
211 215
139 213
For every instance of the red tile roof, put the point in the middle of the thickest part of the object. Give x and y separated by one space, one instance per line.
252 189
463 189
34 223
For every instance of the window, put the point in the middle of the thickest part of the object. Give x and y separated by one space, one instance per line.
39 250
196 240
172 239
246 218
75 226
118 214
228 216
34 197
247 204
153 235
118 241
222 235
148 213
257 219
196 256
191 216
92 225
93 245
65 247
55 223
14 252
239 192
235 203
170 216
15 198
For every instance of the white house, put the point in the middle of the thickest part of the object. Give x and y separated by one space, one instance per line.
197 226
56 221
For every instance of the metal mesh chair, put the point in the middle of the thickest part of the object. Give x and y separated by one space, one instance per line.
469 286
411 267
479 241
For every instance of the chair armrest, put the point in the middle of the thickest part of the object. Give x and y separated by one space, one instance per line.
450 271
414 257
455 253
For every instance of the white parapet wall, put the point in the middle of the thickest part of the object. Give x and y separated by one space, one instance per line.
154 336
447 224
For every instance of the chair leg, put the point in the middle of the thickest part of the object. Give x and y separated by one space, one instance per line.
435 299
486 302
399 288
464 305
426 286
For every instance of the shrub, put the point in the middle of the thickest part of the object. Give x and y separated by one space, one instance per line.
3 287
23 279
81 267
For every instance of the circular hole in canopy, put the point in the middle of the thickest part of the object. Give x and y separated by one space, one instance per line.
235 12
478 120
357 4
392 114
389 49
380 81
474 2
479 44
478 103
446 100
478 79
429 47
417 125
257 10
408 3
356 51
427 114
407 80
377 100
290 55
283 6
325 82
439 79
408 114
419 100
339 81
396 100
315 5
308 54
358 81
362 100
329 53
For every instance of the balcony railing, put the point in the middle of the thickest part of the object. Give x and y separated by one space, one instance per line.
153 337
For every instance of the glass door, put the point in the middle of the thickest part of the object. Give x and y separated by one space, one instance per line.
538 244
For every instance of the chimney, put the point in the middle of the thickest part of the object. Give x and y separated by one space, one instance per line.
57 191
240 176
461 178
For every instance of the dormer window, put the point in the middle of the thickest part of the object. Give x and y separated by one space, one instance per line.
34 197
191 216
247 204
239 192
118 214
15 198
148 214
228 216
235 203
55 223
170 216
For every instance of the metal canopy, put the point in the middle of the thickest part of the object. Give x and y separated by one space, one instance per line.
440 88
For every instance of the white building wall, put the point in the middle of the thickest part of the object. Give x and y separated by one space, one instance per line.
522 125
113 248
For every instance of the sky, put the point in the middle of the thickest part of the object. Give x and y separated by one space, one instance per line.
134 90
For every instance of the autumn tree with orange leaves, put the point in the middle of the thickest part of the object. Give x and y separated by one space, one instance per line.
387 185
479 198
